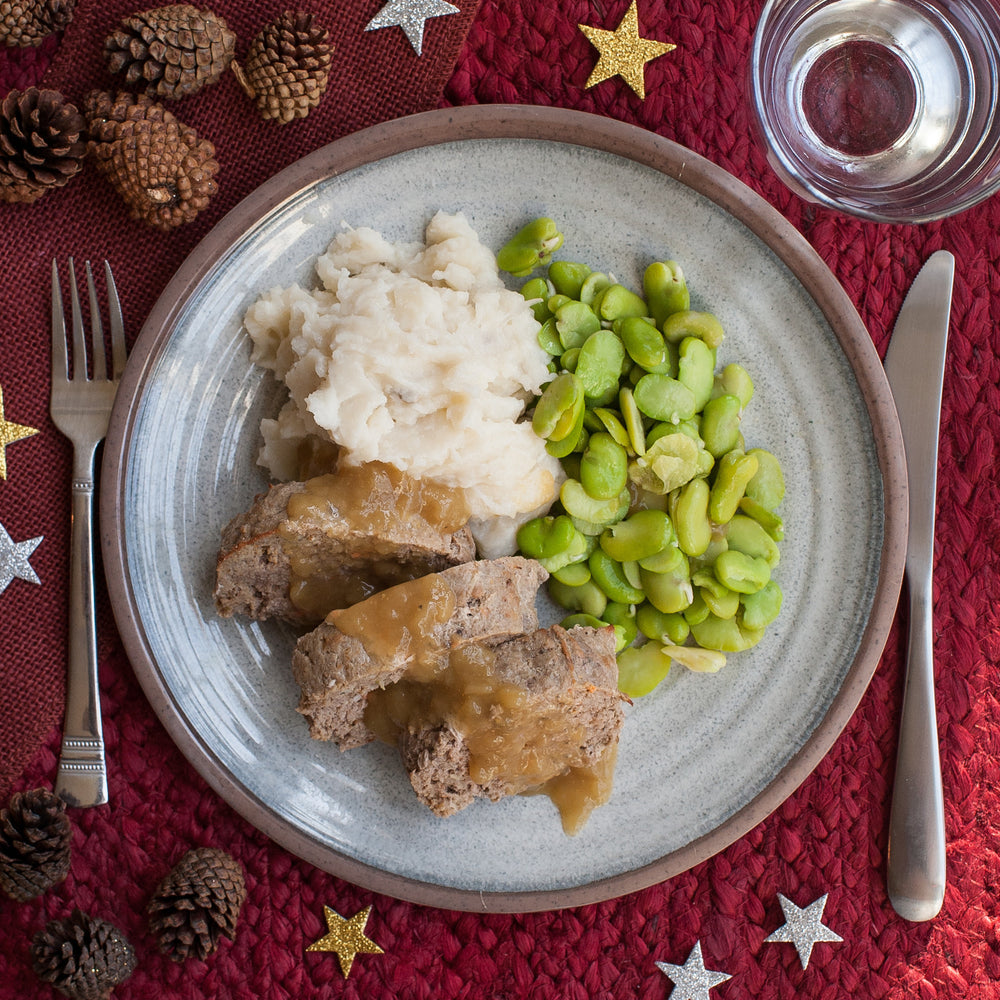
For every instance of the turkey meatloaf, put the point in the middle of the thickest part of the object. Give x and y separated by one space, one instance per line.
409 628
305 548
550 723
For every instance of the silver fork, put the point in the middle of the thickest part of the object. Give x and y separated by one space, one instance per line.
80 408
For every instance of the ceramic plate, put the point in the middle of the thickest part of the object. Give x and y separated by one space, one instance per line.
702 759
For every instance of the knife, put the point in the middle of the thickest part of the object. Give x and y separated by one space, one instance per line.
914 364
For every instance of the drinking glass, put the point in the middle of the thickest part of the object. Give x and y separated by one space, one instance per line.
884 109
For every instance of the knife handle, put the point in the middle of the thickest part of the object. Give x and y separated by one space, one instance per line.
916 863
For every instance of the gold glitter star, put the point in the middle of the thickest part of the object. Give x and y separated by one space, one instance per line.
346 937
9 433
623 52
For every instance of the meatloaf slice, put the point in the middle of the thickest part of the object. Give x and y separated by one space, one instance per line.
565 727
305 548
411 627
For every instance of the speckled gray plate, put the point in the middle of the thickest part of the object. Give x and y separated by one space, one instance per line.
702 759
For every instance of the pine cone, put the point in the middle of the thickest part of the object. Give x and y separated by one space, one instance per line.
172 51
287 67
30 22
83 958
165 173
34 844
41 145
197 903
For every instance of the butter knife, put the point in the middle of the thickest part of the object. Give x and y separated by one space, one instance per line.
914 364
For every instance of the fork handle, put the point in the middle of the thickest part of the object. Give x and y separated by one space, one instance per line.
82 776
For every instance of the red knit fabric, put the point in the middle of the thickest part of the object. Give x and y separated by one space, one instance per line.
829 837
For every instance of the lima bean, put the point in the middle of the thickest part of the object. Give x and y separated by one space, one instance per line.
734 471
567 277
681 547
608 575
694 530
592 286
702 325
641 668
622 616
696 370
664 398
587 597
768 485
735 381
543 537
767 519
671 591
558 407
720 424
761 608
665 289
641 535
573 574
619 302
740 572
530 247
603 467
633 421
613 425
701 661
746 535
599 366
726 635
645 345
665 628
578 503
575 322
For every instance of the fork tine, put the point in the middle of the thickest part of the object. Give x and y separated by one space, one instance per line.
60 361
118 352
96 329
79 340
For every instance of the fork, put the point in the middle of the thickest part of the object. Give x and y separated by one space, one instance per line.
81 407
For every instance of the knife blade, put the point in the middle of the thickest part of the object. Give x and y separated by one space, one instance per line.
914 365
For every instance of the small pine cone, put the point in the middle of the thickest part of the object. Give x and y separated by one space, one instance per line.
164 172
197 903
172 51
30 22
41 143
83 958
34 844
287 67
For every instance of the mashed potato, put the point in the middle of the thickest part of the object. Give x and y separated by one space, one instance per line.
415 355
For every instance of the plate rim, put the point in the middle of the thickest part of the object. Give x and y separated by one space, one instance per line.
569 127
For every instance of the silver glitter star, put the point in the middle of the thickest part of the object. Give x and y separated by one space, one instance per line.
692 980
14 559
410 16
803 928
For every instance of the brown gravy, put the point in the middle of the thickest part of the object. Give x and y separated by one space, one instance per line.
460 688
374 495
373 498
409 618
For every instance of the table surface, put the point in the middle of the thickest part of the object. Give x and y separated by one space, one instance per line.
827 839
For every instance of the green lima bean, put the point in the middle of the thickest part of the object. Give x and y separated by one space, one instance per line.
666 527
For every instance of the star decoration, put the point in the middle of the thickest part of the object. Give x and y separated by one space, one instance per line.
803 928
346 937
14 559
692 980
9 433
410 16
623 52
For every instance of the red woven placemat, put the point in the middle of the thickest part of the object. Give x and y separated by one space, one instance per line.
829 837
